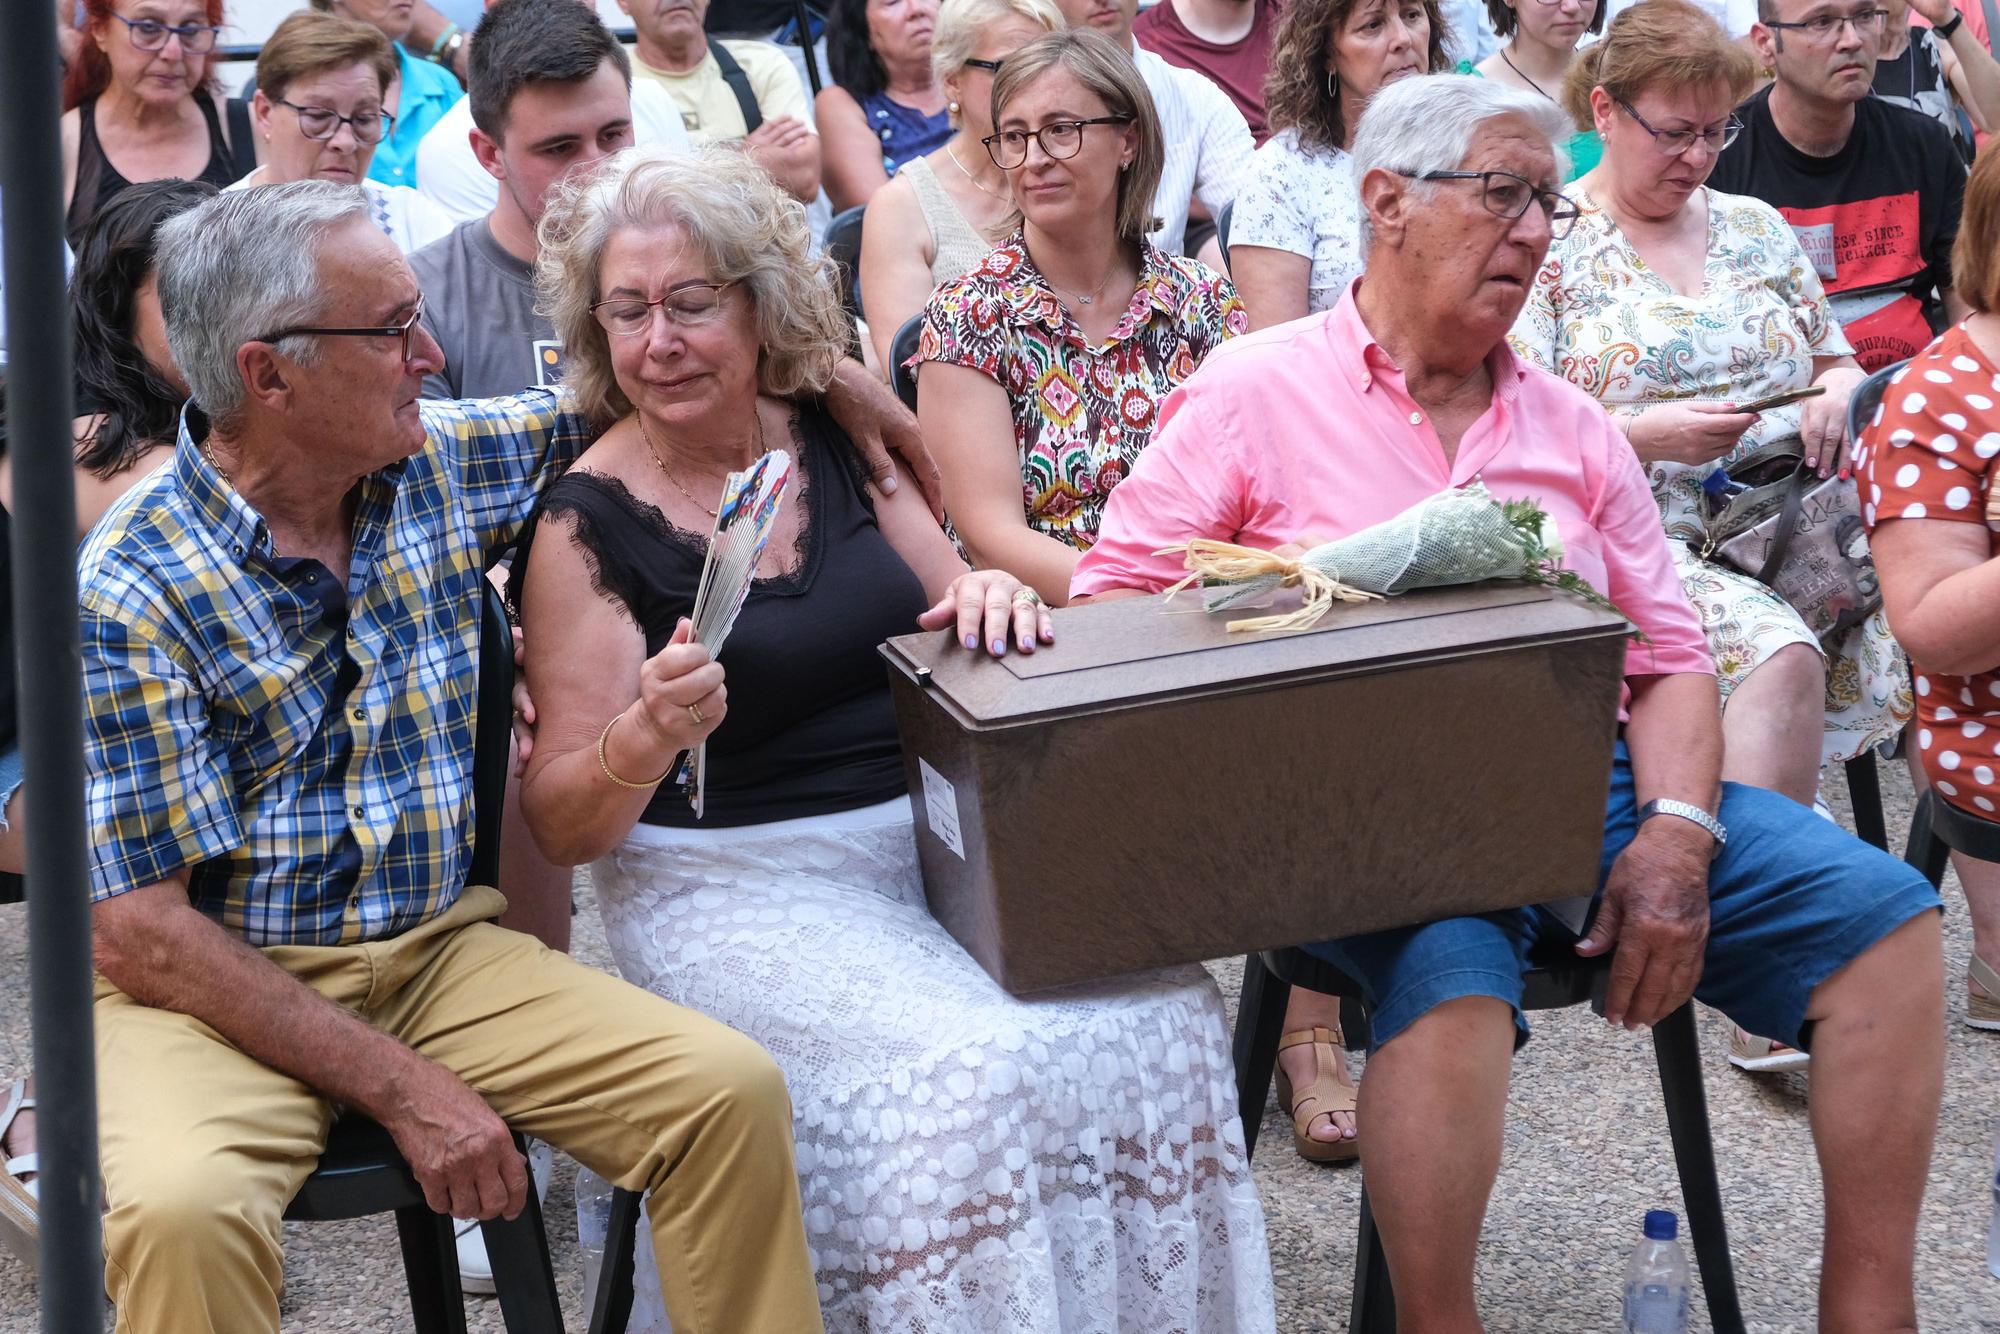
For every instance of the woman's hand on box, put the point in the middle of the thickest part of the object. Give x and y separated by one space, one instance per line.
983 604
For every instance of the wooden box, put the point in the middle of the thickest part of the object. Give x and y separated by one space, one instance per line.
1154 790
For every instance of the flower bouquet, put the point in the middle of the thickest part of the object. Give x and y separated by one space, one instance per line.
1461 536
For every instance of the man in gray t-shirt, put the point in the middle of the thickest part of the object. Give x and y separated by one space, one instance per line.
551 93
479 303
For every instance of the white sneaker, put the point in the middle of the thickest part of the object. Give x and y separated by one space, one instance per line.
475 1270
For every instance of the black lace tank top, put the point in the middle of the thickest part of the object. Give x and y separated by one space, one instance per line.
810 729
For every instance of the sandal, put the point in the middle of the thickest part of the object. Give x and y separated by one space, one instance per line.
19 1207
1758 1055
1983 1012
1330 1091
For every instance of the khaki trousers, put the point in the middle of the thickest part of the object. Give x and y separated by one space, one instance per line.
203 1147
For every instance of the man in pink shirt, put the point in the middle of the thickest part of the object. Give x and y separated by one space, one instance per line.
1317 428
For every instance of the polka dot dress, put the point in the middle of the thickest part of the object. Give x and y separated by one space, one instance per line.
1928 455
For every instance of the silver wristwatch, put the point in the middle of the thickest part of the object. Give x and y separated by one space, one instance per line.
1687 811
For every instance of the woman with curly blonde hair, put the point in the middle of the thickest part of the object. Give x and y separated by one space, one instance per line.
1295 234
967 1160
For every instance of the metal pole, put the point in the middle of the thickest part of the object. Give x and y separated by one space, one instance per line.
51 694
803 17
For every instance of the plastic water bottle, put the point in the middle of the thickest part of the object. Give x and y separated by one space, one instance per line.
593 1220
1656 1279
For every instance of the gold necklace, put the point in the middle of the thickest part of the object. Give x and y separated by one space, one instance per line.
950 153
661 463
209 454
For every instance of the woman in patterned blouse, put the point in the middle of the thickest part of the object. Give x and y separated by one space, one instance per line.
1054 354
1671 303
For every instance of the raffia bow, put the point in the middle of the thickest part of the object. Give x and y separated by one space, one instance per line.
1210 561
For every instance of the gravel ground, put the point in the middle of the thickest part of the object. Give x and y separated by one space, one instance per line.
1586 1154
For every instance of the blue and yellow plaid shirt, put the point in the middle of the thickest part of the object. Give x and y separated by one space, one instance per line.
305 749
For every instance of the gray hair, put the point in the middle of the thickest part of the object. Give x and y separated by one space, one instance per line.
960 22
1426 124
748 231
239 266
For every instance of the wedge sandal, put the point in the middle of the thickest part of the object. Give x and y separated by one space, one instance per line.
1983 1012
20 1227
1330 1091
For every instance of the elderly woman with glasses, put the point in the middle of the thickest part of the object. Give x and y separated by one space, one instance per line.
140 104
942 212
1043 369
323 84
967 1160
1673 304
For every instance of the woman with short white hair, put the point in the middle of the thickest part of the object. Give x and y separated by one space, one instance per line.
942 212
968 1161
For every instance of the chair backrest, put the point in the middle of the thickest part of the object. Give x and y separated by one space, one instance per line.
492 734
842 243
1867 398
901 349
1222 231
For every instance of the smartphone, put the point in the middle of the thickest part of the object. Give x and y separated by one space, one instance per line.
1780 400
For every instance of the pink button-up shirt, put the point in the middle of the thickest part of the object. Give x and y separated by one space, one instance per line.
1307 429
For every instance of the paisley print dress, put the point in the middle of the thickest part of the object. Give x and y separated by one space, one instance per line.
1600 318
1082 412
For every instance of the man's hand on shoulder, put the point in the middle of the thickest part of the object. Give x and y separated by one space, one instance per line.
878 423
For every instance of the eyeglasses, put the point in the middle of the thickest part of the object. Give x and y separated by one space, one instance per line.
1826 27
690 303
990 66
405 331
151 35
1060 140
1676 142
1508 196
370 127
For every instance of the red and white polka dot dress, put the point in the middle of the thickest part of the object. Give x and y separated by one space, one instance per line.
1928 455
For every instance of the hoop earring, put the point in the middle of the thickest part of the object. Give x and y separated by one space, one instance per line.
1332 86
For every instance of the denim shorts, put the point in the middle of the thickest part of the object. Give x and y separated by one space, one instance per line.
10 778
1793 899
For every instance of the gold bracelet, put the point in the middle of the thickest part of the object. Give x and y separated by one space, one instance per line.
605 764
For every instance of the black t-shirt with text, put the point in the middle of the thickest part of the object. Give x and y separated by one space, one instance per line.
1877 219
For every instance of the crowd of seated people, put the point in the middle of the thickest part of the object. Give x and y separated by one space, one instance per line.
346 343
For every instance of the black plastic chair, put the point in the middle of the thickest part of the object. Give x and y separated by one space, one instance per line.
1867 397
901 348
1938 828
1556 978
1222 231
361 1173
842 244
1864 789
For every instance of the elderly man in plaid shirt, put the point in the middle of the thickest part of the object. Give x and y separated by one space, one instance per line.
279 634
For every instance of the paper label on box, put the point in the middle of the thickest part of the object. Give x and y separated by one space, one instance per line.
941 808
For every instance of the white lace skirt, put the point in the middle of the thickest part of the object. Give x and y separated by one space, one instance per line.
968 1161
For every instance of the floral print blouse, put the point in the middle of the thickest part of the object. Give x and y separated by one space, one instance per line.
1081 412
1600 318
1304 201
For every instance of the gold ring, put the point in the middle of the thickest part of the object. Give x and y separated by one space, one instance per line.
694 712
1025 596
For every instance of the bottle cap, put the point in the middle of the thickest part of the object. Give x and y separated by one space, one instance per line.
1662 1225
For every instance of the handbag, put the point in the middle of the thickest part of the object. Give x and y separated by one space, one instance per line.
1775 520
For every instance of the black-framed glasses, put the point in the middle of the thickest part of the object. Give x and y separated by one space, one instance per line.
1060 139
686 303
1508 196
1676 142
990 66
197 39
405 331
370 127
1826 27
